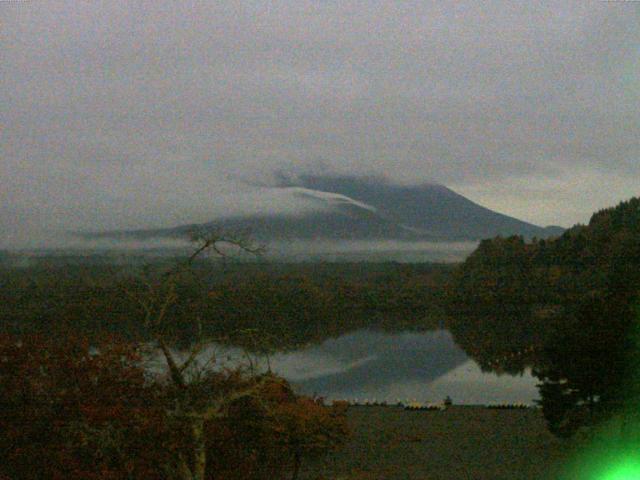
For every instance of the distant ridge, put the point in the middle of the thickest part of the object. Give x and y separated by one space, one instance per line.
365 208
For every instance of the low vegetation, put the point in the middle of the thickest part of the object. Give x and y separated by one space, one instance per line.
460 442
75 411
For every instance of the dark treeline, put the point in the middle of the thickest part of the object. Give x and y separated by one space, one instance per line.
565 307
285 305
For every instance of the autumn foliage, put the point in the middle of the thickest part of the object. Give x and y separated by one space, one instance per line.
70 410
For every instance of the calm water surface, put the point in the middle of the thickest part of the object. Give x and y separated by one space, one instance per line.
369 365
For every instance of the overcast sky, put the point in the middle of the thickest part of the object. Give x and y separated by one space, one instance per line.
125 114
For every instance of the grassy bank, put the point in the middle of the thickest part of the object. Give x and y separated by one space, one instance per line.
460 443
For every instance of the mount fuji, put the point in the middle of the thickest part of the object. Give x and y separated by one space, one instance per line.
363 208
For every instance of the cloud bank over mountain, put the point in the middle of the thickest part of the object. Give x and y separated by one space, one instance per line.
355 218
152 113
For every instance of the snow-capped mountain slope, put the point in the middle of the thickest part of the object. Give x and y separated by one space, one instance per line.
429 209
330 198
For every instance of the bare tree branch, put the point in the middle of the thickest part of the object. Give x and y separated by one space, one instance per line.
193 355
156 303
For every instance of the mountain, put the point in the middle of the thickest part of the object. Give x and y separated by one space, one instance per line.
429 209
370 208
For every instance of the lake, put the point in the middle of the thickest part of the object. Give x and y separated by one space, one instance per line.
372 365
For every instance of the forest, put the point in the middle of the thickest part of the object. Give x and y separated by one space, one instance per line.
77 401
292 304
567 307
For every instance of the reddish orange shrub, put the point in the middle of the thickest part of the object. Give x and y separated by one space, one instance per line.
69 411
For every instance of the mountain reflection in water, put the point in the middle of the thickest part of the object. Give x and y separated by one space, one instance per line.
389 366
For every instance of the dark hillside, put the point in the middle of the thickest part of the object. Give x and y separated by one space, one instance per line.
566 306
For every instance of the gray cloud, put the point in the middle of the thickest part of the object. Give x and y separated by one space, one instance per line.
155 113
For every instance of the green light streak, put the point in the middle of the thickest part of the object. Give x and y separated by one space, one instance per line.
627 469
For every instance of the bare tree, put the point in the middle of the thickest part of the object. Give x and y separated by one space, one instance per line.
159 294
